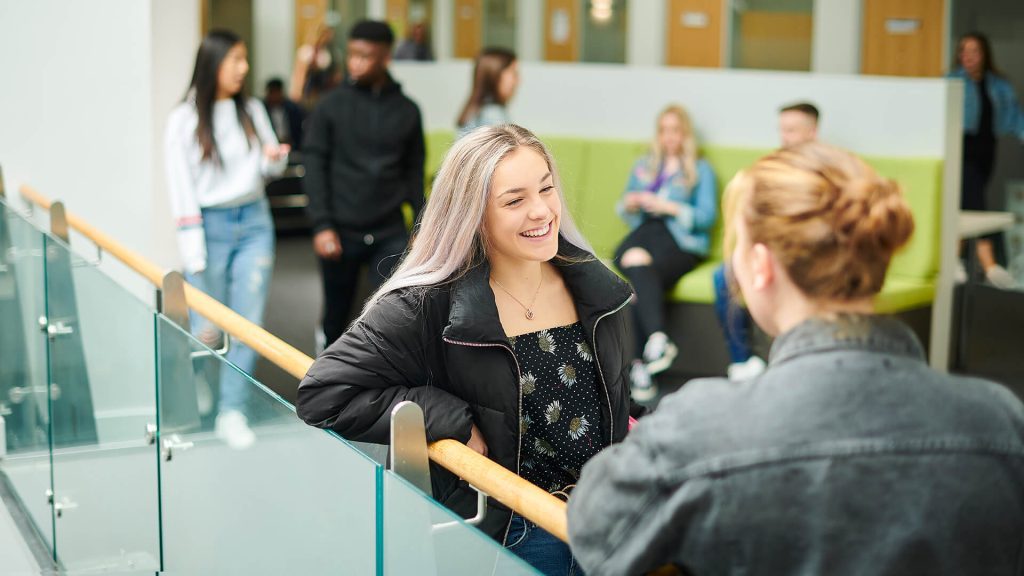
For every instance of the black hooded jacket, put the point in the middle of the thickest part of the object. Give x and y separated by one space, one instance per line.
363 154
444 348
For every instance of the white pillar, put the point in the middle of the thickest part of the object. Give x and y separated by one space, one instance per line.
645 33
530 30
174 29
442 29
273 30
376 9
949 238
837 31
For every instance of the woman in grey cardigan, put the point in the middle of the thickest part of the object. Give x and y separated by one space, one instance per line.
848 455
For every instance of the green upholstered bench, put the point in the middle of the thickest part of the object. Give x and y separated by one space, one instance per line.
594 172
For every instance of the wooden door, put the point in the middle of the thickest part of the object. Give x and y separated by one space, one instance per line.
902 37
694 33
396 14
562 31
774 40
309 17
469 28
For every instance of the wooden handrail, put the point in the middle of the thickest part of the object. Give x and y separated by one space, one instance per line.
508 488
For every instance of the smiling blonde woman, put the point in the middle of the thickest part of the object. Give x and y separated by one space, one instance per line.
501 325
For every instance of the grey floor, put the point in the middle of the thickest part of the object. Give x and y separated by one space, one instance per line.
293 308
15 555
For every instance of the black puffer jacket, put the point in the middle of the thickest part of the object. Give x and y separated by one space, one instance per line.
446 351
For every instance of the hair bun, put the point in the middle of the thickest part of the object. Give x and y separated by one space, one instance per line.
832 222
872 215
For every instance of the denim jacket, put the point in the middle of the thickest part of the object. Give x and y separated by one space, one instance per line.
1007 116
849 455
698 206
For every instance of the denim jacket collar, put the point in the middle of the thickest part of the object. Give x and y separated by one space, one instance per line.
862 332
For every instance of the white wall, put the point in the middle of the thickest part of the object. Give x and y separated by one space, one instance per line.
87 87
886 116
645 35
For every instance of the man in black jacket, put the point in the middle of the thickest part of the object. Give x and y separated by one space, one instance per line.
364 157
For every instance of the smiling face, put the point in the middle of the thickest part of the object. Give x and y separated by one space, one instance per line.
232 71
523 209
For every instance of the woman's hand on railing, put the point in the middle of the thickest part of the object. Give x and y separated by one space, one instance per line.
476 441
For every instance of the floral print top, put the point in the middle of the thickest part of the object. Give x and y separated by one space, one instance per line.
560 422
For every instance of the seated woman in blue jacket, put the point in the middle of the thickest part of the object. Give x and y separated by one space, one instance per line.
670 205
502 325
849 454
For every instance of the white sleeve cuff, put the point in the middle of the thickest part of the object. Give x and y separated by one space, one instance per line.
192 246
275 168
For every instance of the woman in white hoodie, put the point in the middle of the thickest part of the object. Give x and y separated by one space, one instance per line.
219 148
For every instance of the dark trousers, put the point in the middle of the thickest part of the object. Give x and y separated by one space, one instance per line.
341 277
976 171
668 264
734 318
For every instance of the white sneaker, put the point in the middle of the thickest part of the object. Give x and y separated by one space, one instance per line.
753 367
641 387
659 352
1000 278
204 395
233 428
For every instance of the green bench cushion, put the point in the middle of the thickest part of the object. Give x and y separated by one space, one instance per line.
593 208
921 182
437 146
697 286
900 293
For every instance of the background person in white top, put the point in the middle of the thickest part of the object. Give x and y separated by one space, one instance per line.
219 148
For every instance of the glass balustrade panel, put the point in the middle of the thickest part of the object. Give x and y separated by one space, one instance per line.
102 404
267 495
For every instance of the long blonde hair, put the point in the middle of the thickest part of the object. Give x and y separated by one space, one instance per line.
688 153
448 242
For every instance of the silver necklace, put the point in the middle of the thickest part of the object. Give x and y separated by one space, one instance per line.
528 309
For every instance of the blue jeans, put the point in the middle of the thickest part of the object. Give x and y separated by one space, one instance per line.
239 261
540 549
734 319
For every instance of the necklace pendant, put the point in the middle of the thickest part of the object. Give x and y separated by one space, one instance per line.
529 314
